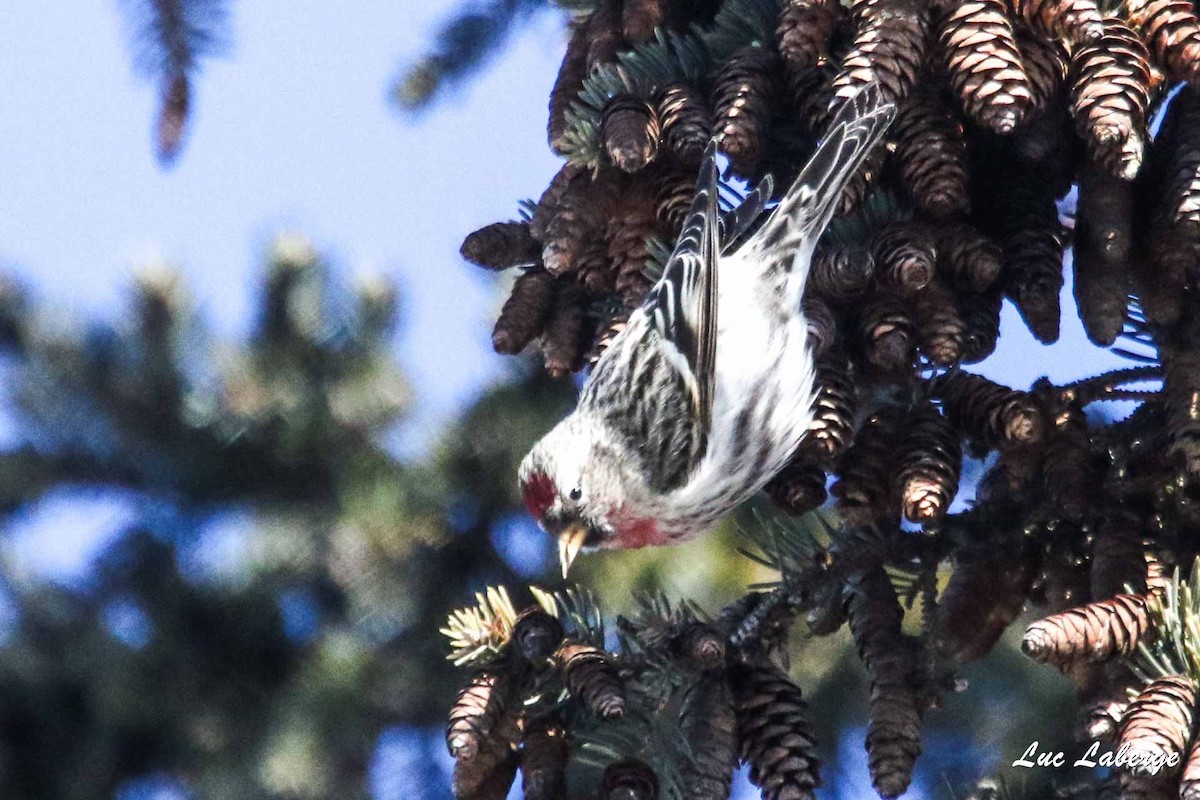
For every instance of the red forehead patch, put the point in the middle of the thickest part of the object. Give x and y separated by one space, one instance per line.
540 492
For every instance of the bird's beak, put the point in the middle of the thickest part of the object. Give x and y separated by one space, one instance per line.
570 542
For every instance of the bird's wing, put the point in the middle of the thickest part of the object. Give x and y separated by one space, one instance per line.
808 205
682 306
735 224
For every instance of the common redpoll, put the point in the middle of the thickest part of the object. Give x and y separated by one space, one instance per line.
705 394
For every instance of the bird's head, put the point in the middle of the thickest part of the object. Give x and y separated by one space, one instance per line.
577 486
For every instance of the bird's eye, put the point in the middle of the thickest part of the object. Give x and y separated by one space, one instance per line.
576 493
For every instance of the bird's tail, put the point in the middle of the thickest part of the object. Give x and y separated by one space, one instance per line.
802 214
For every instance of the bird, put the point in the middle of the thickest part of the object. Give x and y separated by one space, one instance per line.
704 395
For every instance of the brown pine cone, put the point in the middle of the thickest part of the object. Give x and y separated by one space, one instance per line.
774 734
822 325
805 27
501 245
1172 31
628 780
709 727
894 728
537 634
1181 387
865 489
1096 632
930 466
563 339
640 18
1103 237
1045 63
544 753
488 778
834 410
940 327
1069 476
570 79
1160 275
701 644
840 273
744 90
981 56
989 413
889 47
525 313
1105 698
630 129
985 593
1076 21
905 256
798 488
1189 785
686 121
863 182
967 258
547 206
594 269
981 324
932 153
590 675
674 188
1158 723
628 232
1175 183
476 709
580 211
604 33
1118 563
887 334
1110 91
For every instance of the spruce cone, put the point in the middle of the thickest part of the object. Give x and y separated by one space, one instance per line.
887 334
894 730
1158 723
743 92
840 273
475 711
709 726
628 233
834 410
628 780
1106 698
701 644
822 325
981 324
932 153
940 327
604 33
488 778
544 753
1103 238
967 258
1110 92
501 245
567 178
984 64
640 18
905 256
674 190
525 313
930 466
570 79
590 675
984 595
537 634
805 27
862 183
865 488
798 488
1097 631
578 215
774 734
991 414
631 133
1045 63
1068 475
888 50
1176 154
594 269
1172 31
563 340
1074 20
686 121
1189 785
1118 564
1181 387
